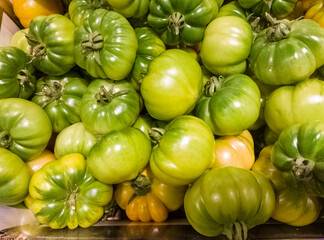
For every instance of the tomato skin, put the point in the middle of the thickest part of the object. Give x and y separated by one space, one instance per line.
230 105
82 9
119 156
293 207
17 75
20 131
226 45
37 163
300 49
303 102
14 178
20 41
233 8
26 10
236 151
181 21
109 106
66 195
105 45
299 150
149 47
51 41
225 196
154 205
130 8
60 97
316 13
172 85
74 139
184 151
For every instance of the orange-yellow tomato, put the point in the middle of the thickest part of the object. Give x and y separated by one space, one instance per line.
236 151
37 163
307 4
316 13
154 204
26 10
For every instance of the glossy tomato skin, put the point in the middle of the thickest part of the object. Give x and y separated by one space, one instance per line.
17 74
235 150
82 9
66 195
26 10
183 152
74 139
20 131
20 41
105 45
231 105
130 8
228 198
293 207
271 54
60 97
172 86
299 149
14 178
298 103
181 21
154 203
108 106
226 45
37 163
316 13
149 47
51 41
119 156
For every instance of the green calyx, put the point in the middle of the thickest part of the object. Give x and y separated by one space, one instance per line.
236 231
25 79
279 29
213 84
141 186
5 140
38 49
51 92
105 97
303 169
176 22
93 44
156 135
100 4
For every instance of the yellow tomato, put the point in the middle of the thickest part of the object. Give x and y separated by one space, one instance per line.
26 10
37 163
316 13
236 151
150 203
307 4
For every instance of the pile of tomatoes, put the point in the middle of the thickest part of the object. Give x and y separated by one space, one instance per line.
150 105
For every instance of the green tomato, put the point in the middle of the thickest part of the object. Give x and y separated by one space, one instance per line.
229 201
25 128
105 45
183 152
51 41
233 8
17 75
82 9
149 47
181 21
229 105
300 150
19 40
61 98
287 52
300 103
109 106
14 178
66 194
172 85
130 8
277 8
226 45
74 139
119 156
145 122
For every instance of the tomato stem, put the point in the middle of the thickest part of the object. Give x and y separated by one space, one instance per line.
5 140
212 85
51 91
100 4
141 186
303 169
279 30
105 97
156 134
176 22
25 79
